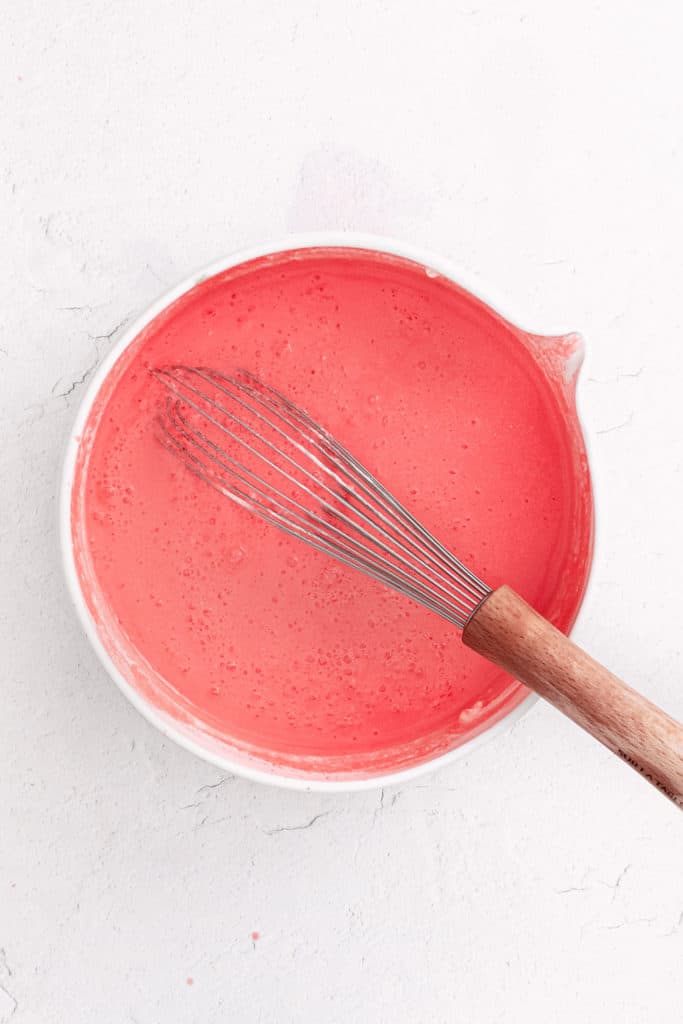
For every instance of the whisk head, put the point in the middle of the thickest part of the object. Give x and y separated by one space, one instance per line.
258 448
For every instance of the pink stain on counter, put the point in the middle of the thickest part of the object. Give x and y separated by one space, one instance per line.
265 644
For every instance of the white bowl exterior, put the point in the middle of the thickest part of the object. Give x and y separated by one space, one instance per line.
201 745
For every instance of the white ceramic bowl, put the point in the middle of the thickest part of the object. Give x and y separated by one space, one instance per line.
193 739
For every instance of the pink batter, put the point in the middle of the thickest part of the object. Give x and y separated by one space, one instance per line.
265 643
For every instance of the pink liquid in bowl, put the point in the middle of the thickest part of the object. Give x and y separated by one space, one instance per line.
253 640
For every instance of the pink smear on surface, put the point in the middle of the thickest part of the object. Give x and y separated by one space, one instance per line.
275 650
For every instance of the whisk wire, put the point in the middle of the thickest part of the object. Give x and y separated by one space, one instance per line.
364 557
376 492
338 507
273 401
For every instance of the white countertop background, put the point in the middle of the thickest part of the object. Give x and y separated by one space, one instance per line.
540 146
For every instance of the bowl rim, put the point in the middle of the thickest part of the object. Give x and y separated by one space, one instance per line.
317 239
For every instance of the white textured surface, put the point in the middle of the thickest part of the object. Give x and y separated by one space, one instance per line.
540 146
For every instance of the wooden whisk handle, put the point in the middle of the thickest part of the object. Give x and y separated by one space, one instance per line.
507 631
